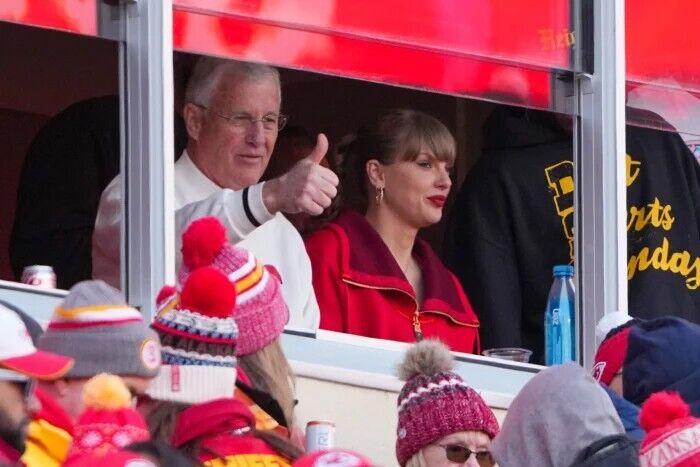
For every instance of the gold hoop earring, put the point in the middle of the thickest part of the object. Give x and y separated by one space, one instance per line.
379 196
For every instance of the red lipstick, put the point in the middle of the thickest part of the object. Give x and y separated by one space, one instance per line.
438 200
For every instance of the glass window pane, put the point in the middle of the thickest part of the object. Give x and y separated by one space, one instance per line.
78 16
59 126
663 72
663 143
505 53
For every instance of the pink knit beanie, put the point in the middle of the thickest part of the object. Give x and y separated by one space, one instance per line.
435 401
261 312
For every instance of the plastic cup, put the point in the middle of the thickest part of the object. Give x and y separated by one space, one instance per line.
514 354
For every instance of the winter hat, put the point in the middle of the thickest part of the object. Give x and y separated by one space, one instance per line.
108 423
435 402
199 337
663 354
19 359
673 435
96 327
33 327
118 459
261 312
560 412
333 458
611 353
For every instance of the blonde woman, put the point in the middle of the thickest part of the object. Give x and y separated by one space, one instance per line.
442 421
372 275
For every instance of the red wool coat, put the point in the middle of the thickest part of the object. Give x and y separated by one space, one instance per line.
361 289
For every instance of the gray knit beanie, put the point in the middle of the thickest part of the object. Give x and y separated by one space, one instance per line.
96 327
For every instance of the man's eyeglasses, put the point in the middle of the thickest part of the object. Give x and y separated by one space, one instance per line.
459 454
243 121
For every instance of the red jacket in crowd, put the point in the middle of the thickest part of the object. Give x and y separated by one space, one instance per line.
361 289
49 434
8 454
222 430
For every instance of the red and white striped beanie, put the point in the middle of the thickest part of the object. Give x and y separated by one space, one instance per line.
261 312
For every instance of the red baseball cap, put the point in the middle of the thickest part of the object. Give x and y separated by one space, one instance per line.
610 357
17 352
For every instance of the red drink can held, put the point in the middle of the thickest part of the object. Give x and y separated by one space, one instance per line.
39 276
320 435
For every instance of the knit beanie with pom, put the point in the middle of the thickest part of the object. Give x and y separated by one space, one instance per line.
435 402
673 435
199 335
261 312
108 423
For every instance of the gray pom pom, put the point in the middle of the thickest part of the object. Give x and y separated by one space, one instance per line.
427 357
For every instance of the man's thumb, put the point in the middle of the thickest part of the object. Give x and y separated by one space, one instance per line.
320 149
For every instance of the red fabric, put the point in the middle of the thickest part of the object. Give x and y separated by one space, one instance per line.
361 290
333 458
673 435
209 292
116 459
610 356
243 376
210 419
202 241
8 453
39 364
105 432
213 425
52 412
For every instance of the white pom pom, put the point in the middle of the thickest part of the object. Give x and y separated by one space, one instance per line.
609 322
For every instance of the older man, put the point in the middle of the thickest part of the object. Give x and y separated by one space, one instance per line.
232 115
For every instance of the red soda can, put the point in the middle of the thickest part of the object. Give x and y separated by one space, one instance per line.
320 435
39 276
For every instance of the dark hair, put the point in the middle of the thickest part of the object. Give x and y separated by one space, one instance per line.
395 135
161 419
163 453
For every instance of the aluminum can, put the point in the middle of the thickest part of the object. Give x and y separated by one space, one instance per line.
39 276
320 435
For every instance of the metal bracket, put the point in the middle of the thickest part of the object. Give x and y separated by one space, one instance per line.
563 94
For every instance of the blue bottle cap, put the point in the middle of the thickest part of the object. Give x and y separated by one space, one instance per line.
563 270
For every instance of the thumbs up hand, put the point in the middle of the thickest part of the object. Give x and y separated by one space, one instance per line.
308 187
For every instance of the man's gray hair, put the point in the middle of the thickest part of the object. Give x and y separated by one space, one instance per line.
208 70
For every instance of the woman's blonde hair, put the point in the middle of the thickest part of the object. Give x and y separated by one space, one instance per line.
269 371
417 460
395 135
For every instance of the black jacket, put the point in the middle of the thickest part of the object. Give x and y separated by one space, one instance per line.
612 451
513 221
69 163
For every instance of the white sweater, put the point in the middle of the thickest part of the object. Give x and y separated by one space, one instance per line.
275 242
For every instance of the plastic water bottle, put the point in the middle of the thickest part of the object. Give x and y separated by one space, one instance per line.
560 318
